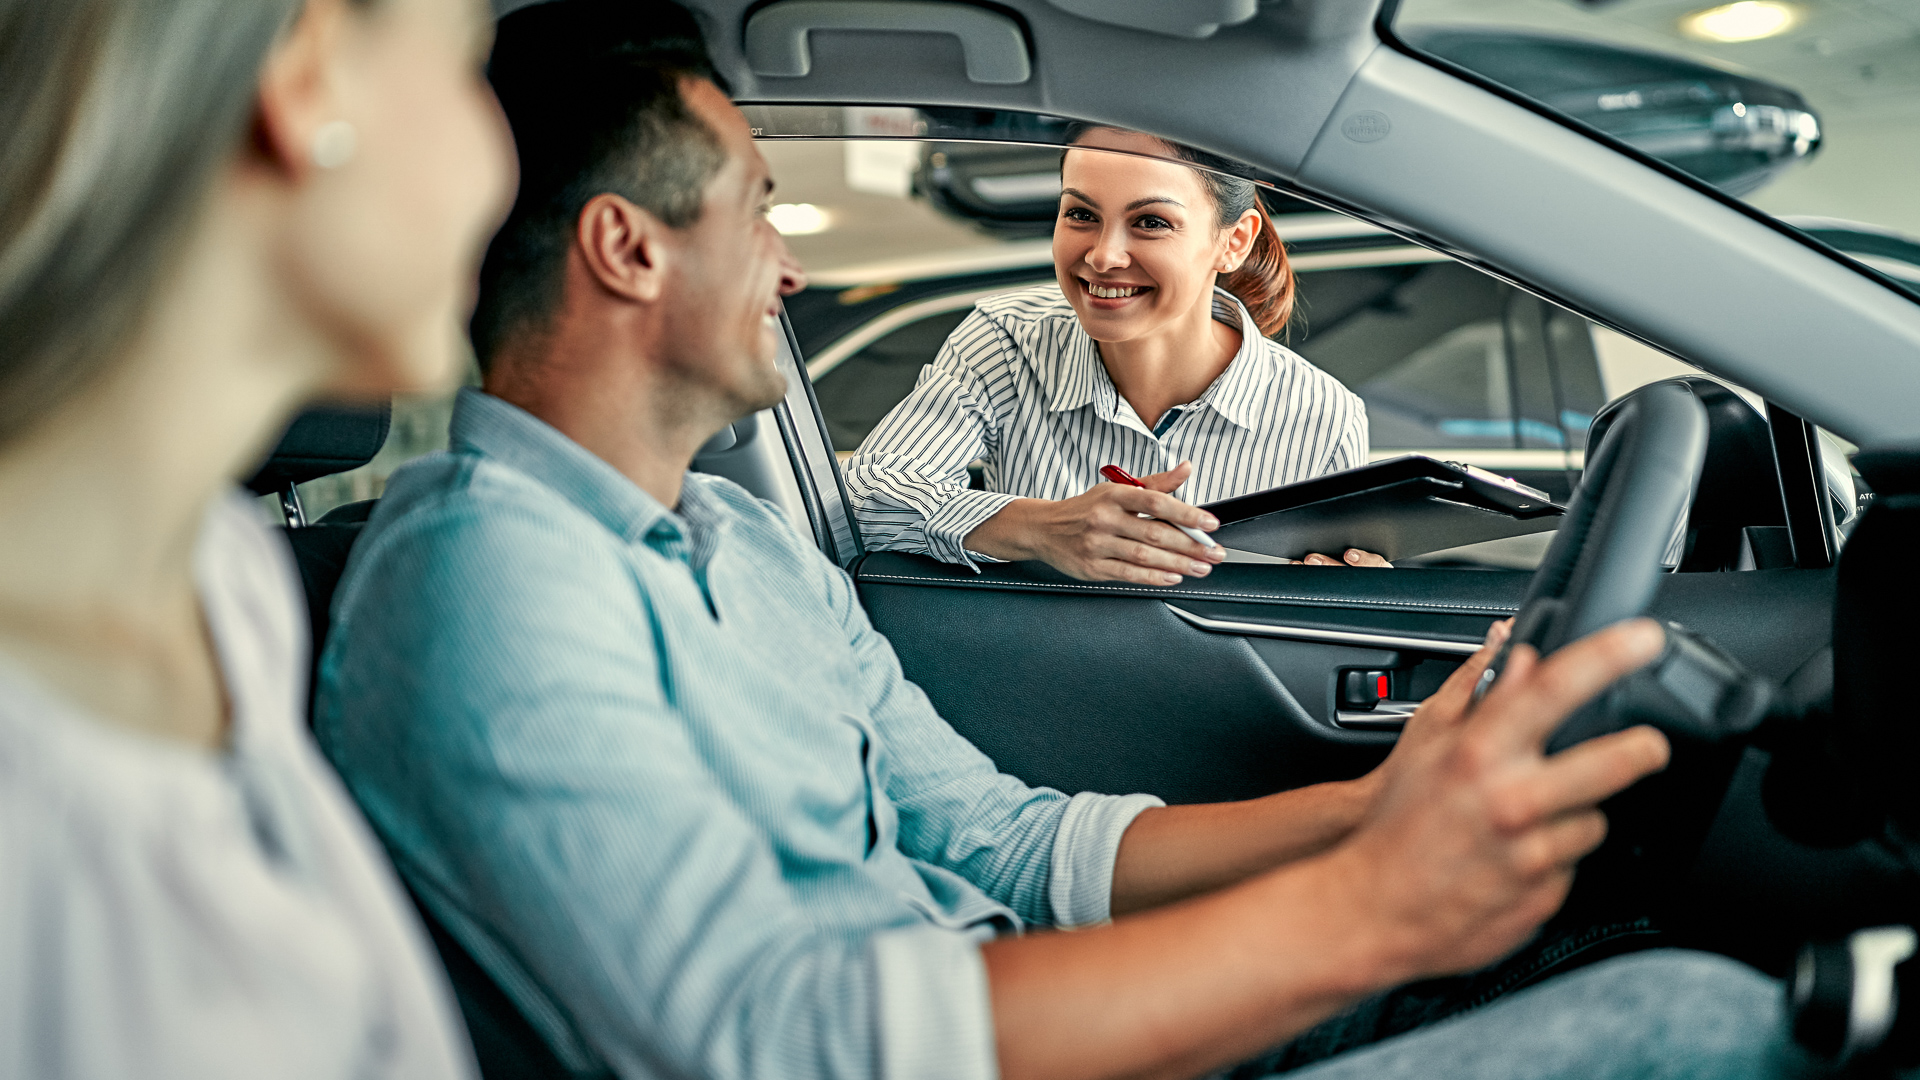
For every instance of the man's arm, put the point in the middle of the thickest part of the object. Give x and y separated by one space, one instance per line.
1471 844
1174 852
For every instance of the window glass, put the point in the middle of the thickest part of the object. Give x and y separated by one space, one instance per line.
858 392
901 236
1446 357
1807 109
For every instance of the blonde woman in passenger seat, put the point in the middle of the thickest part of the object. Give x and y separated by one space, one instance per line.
211 211
1149 351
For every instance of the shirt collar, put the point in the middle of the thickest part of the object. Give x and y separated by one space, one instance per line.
1079 378
487 425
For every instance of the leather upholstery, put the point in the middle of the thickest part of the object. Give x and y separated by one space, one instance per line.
1104 689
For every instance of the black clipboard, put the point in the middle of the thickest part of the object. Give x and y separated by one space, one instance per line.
1400 507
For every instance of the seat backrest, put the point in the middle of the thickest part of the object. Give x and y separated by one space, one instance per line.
321 442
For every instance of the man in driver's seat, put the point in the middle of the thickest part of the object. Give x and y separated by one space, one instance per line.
633 741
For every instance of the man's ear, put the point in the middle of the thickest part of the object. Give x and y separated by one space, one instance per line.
624 247
298 95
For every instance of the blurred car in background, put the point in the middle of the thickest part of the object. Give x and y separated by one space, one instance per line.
1885 251
1729 129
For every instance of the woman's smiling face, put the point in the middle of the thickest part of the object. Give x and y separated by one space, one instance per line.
1137 245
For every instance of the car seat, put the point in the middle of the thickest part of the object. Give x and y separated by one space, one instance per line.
321 442
1736 520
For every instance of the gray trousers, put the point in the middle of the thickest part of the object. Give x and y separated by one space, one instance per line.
1659 1014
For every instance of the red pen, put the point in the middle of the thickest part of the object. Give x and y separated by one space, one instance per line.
1120 476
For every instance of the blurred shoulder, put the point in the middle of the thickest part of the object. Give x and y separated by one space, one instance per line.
244 566
467 488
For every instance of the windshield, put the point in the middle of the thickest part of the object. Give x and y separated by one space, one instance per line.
1806 109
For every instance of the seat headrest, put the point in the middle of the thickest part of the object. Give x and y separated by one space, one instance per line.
1739 485
322 441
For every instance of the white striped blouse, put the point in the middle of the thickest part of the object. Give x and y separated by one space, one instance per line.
1020 385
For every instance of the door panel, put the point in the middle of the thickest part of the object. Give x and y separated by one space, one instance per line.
1108 687
1105 687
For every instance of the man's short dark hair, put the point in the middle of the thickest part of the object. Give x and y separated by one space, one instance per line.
591 89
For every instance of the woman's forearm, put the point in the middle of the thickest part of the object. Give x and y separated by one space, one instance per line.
1010 533
1175 852
1111 532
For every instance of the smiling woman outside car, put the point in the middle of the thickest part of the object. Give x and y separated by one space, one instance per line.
1150 352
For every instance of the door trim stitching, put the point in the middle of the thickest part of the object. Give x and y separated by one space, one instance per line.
1325 601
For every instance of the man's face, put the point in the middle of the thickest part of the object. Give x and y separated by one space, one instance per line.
723 302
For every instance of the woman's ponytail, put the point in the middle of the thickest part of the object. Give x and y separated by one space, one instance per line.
1264 281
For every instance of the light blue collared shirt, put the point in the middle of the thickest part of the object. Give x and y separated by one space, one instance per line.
660 776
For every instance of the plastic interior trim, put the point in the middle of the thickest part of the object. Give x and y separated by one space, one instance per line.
816 468
1333 637
1186 18
776 36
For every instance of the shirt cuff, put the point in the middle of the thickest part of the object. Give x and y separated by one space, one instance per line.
936 1020
1084 850
947 527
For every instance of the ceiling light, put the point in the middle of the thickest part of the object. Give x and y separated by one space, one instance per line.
798 219
1748 20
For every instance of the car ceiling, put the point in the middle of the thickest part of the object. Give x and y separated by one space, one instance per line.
1306 90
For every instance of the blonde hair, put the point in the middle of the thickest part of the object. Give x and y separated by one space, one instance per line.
117 113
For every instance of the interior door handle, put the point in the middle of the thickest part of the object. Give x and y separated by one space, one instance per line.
1362 638
995 50
1385 716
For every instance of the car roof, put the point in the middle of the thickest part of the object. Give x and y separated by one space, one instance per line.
1315 93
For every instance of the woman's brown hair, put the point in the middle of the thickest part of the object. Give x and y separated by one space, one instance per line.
1264 282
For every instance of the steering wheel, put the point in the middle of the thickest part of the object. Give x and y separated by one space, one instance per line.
1608 556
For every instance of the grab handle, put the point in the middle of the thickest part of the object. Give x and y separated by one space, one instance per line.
995 50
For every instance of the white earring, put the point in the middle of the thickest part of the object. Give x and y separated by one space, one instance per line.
334 144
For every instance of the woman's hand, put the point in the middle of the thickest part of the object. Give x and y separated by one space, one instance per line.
1353 557
1100 536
